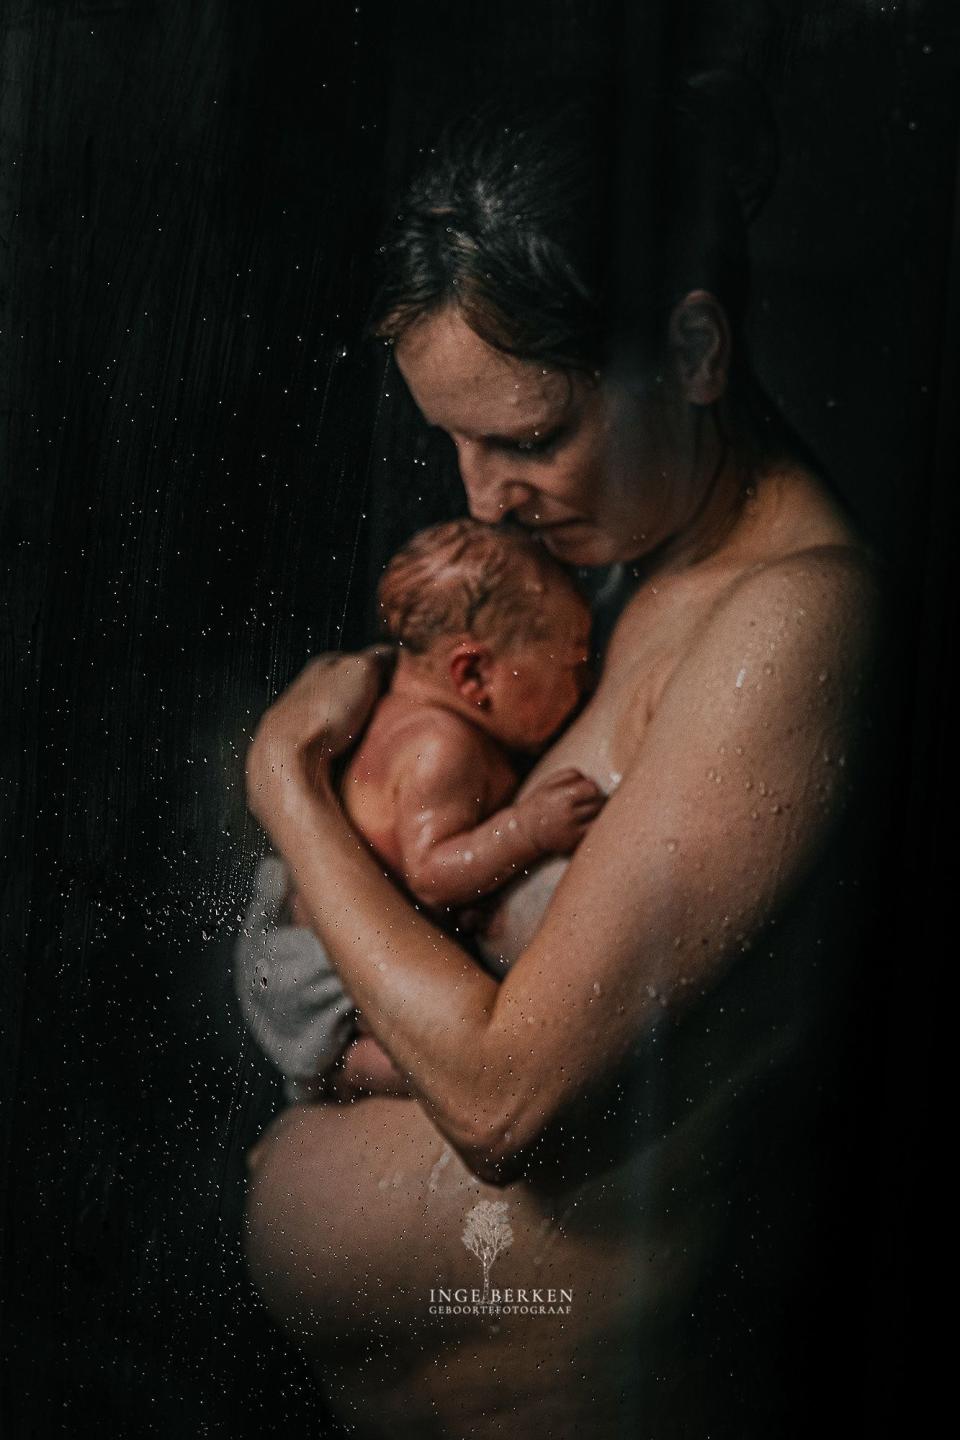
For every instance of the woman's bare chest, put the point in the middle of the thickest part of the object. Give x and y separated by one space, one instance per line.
647 646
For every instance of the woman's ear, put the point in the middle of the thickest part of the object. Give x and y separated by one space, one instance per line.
469 669
699 340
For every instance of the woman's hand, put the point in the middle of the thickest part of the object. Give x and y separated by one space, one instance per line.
315 719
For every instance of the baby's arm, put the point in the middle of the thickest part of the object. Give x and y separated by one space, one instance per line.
448 858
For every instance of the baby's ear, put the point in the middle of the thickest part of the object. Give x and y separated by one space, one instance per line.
469 668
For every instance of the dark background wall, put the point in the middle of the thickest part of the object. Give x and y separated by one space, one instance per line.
202 468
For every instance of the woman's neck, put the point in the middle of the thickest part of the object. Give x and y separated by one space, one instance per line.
728 475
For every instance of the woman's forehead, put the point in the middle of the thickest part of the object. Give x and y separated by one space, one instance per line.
466 386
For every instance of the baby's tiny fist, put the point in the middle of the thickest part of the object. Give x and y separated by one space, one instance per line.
561 808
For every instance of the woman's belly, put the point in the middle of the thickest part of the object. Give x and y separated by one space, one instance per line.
358 1211
641 1234
359 1240
358 1215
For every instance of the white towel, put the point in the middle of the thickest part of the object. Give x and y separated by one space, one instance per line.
291 997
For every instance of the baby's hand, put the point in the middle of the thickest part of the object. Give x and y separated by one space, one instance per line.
556 814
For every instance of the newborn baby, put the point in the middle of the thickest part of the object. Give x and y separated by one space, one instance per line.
493 643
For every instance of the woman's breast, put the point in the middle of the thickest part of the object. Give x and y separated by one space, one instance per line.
600 744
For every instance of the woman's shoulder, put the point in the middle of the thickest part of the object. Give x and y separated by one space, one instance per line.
790 636
807 536
793 537
797 579
833 586
795 540
793 508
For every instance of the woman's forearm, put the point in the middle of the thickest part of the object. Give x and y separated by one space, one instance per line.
397 966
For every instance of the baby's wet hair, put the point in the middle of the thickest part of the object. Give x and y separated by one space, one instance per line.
465 577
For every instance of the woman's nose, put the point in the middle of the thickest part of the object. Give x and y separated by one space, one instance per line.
491 491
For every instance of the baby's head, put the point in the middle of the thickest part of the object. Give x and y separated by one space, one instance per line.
487 615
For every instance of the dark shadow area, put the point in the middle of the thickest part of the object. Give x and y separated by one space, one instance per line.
204 467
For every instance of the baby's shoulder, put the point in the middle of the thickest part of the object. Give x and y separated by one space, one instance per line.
426 739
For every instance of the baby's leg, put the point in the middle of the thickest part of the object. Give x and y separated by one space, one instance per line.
366 1069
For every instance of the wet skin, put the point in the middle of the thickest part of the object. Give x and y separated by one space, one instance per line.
429 782
356 1211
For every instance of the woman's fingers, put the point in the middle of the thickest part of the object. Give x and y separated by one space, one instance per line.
329 700
318 716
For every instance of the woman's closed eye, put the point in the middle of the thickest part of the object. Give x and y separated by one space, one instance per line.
536 445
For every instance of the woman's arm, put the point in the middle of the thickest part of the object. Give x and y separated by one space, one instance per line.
736 782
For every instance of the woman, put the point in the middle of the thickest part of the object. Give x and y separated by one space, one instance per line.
619 1124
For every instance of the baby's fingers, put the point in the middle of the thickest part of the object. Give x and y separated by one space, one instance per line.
569 775
584 789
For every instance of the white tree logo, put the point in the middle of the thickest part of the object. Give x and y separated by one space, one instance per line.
487 1234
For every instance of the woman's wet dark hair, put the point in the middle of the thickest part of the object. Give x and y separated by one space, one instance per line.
564 241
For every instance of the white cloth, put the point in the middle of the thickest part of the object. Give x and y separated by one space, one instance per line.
291 997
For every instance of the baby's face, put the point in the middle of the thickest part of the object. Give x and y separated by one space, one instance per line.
535 685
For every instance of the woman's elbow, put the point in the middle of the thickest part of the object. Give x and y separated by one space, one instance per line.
498 1150
494 1165
499 1122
